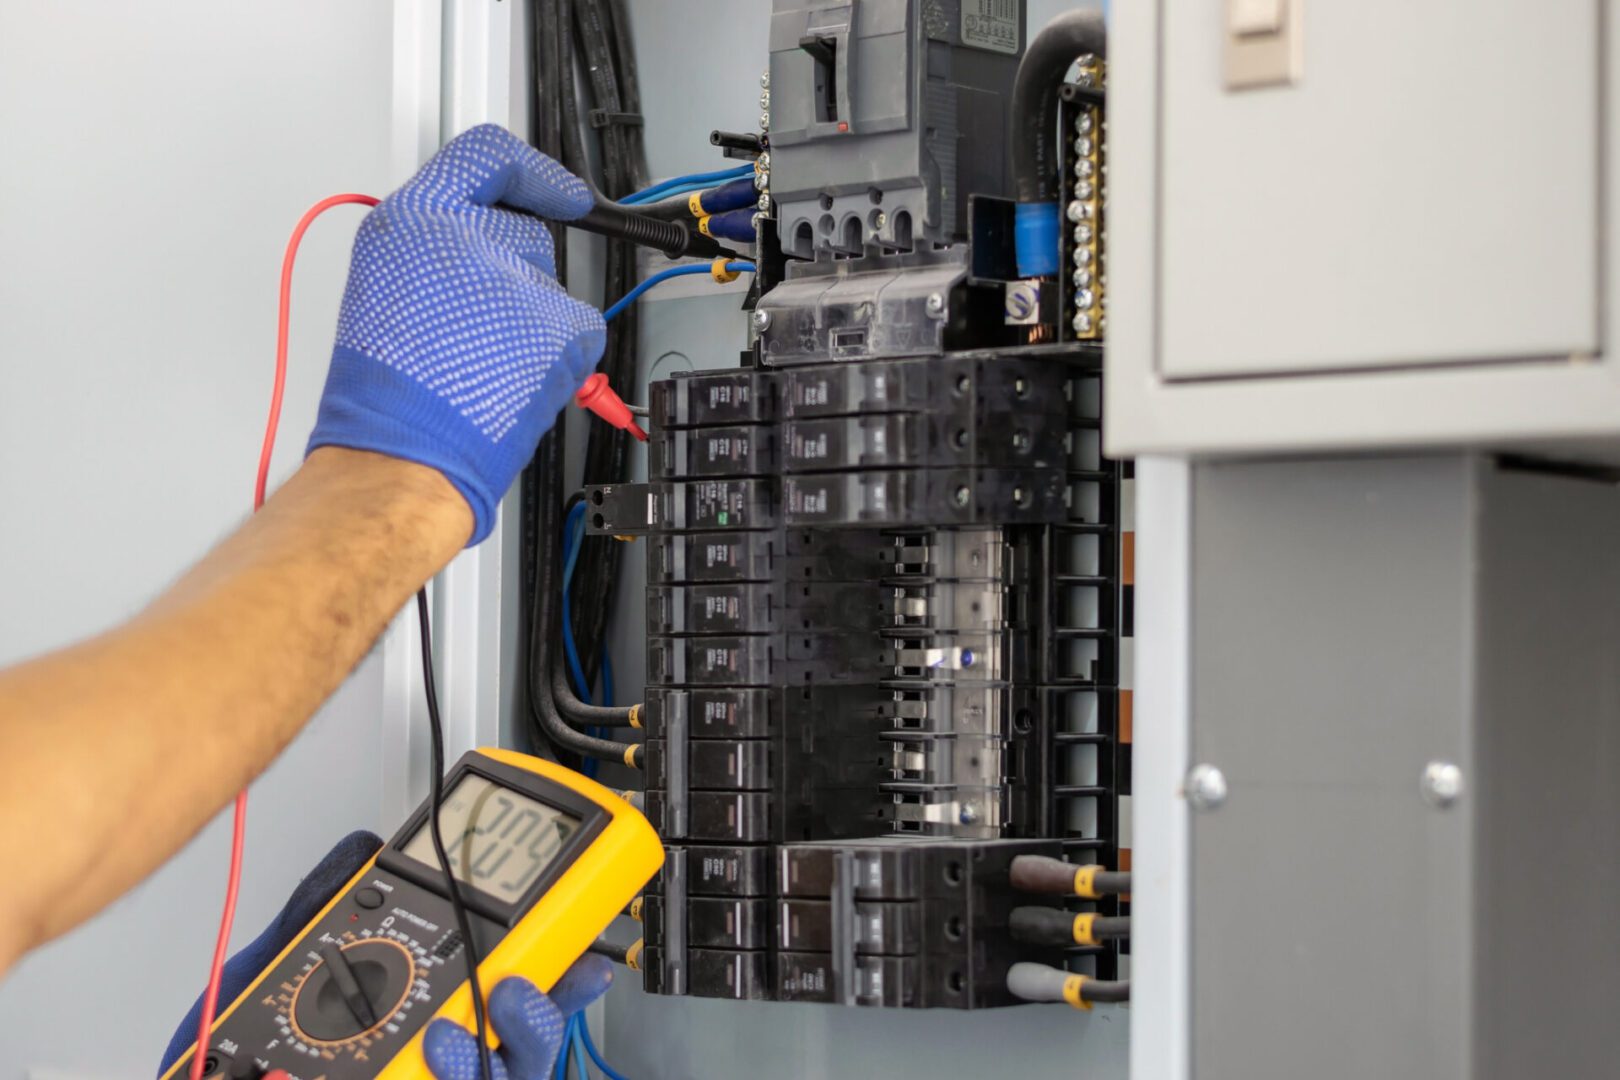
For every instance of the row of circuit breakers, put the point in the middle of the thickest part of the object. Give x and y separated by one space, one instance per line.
887 568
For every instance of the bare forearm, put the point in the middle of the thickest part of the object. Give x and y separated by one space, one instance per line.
121 748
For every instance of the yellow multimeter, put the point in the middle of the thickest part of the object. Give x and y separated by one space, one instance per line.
545 859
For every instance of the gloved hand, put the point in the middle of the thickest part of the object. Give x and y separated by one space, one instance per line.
312 894
530 1025
456 347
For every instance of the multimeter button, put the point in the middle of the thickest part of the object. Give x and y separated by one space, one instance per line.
368 897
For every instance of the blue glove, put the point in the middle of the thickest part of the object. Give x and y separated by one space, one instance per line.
530 1025
456 347
312 894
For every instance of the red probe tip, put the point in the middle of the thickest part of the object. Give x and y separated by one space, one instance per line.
597 396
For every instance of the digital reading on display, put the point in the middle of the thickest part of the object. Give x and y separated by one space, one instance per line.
498 840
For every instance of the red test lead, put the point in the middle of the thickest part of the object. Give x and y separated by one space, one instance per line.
597 396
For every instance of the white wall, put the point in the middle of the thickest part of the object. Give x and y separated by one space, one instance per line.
153 157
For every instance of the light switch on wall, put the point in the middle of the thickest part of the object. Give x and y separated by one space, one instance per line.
1264 42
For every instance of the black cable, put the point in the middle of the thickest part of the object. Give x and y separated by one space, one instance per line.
457 904
1104 992
1039 982
600 35
628 954
1111 883
624 54
1044 874
579 712
547 579
550 56
1034 131
1054 926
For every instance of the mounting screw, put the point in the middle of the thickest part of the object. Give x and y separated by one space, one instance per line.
936 304
1206 787
761 320
879 220
962 496
1442 784
969 814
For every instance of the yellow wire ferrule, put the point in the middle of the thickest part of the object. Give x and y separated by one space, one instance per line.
703 225
635 716
635 907
1085 882
1072 992
718 268
632 958
630 753
695 204
1083 931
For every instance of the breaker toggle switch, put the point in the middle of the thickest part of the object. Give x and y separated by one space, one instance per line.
1264 43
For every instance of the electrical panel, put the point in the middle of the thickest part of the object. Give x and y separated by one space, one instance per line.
888 567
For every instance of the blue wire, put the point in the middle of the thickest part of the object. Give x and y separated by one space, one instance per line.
665 187
574 522
579 1048
679 189
607 678
584 1033
573 534
559 1071
738 265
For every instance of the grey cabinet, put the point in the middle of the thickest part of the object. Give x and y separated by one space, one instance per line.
1403 245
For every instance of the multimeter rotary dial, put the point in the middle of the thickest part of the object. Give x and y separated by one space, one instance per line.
353 990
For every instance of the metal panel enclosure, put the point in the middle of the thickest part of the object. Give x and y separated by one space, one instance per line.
1352 622
1407 247
1390 209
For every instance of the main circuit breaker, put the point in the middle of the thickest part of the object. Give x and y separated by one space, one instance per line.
888 568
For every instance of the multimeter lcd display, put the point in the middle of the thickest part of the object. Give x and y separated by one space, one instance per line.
498 840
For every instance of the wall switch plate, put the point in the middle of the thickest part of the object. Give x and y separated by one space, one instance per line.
1265 43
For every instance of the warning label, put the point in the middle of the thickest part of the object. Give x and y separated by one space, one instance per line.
991 24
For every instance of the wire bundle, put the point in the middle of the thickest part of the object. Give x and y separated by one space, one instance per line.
556 131
1057 928
578 1044
600 34
685 185
595 29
